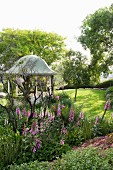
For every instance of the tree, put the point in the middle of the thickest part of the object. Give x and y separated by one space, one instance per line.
97 36
17 43
76 71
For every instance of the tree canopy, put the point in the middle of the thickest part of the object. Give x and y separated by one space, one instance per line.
97 36
18 43
76 71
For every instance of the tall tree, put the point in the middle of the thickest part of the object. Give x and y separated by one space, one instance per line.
76 71
17 43
97 35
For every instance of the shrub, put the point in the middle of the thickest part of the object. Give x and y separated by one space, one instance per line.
109 90
65 99
3 116
31 166
85 159
9 146
105 84
44 145
1 87
102 127
109 95
89 158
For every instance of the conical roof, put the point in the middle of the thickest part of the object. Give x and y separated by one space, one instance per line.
31 65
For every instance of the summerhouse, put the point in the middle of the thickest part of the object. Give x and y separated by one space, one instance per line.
33 68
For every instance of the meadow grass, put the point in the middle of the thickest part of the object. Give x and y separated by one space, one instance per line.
91 101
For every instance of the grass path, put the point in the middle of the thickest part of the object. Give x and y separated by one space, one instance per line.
91 101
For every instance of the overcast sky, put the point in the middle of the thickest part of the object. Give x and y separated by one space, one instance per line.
61 16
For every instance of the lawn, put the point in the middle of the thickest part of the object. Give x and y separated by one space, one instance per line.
91 101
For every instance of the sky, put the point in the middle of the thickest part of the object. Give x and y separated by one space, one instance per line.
63 17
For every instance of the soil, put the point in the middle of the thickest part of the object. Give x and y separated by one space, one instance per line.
102 142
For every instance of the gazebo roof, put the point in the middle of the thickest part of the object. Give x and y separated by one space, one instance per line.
31 65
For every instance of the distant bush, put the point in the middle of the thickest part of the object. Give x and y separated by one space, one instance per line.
105 84
109 90
109 95
65 99
72 87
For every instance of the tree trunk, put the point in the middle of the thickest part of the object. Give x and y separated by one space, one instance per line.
75 94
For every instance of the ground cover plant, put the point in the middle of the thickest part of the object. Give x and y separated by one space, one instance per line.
89 158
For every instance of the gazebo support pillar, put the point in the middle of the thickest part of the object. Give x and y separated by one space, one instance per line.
17 90
8 86
51 85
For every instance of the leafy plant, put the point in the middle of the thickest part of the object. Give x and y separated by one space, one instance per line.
9 146
89 158
109 95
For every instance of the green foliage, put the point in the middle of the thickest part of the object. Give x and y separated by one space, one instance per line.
109 90
65 99
86 159
9 146
3 116
105 84
89 158
74 70
17 43
1 87
97 35
31 166
102 127
109 95
49 137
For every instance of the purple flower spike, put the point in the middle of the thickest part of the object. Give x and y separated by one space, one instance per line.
17 110
64 131
96 121
107 106
24 112
34 128
28 114
78 123
71 115
57 97
34 150
62 142
34 115
59 110
81 115
38 143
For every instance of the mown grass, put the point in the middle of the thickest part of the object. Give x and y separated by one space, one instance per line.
91 101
